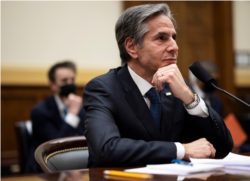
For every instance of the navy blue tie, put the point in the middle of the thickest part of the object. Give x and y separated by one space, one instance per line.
65 112
155 107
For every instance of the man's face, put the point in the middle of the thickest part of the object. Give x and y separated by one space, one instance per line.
63 76
159 45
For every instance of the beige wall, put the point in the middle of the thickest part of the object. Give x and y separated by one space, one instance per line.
34 35
37 34
241 38
241 25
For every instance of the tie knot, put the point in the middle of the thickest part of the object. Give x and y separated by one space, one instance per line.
153 96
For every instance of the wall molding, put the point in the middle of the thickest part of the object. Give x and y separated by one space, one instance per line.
38 76
242 77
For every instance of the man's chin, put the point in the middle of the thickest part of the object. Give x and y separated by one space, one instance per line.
168 62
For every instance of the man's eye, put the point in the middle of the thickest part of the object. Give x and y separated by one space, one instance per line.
161 37
174 37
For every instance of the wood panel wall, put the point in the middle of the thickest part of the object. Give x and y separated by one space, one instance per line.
16 104
204 33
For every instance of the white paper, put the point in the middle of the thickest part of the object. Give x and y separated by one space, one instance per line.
230 160
184 168
231 163
175 169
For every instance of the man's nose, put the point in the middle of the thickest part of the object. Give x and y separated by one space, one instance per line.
70 81
172 47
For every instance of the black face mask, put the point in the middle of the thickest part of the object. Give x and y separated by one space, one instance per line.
67 89
208 88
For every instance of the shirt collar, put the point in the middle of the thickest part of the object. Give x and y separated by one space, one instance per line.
59 103
141 83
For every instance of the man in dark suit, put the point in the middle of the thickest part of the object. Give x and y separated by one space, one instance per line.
59 115
144 112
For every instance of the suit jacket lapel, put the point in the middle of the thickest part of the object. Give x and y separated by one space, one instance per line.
167 103
137 103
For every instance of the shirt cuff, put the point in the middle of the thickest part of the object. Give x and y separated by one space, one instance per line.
72 120
180 151
200 110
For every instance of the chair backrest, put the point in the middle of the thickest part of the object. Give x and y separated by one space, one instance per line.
23 130
63 154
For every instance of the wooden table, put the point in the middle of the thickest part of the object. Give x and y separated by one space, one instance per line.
96 174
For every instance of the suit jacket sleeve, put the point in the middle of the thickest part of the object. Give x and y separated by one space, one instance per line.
213 129
106 146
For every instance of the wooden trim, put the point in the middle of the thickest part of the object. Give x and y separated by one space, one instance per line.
224 44
10 161
38 76
9 157
224 56
242 77
51 146
23 178
9 154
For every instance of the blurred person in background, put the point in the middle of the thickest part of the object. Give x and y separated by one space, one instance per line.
206 91
62 114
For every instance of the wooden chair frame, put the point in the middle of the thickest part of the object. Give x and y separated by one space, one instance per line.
52 146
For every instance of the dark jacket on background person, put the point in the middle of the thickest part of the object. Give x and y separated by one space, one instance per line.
48 124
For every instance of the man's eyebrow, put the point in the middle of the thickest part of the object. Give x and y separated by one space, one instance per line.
164 33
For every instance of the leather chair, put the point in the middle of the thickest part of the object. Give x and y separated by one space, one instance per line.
69 153
23 131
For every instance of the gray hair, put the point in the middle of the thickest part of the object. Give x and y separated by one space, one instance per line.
132 23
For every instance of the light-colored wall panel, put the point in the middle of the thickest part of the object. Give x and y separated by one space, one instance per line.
241 25
241 37
37 34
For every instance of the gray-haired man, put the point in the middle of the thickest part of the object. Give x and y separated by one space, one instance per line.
144 112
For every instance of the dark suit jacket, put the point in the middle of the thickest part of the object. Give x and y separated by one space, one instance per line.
120 129
48 124
216 104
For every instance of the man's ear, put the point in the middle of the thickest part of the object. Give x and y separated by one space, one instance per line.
52 86
131 47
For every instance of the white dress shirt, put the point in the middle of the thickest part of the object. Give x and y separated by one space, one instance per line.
144 86
70 118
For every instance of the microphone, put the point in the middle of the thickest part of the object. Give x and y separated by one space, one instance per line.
206 78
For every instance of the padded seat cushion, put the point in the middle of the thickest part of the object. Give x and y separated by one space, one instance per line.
71 160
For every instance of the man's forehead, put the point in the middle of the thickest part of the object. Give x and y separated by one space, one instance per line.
160 20
63 71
